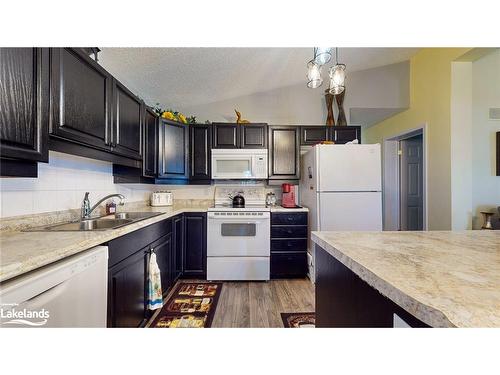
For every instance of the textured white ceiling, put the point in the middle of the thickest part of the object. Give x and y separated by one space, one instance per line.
184 77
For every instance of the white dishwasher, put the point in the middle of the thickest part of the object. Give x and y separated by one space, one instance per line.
69 293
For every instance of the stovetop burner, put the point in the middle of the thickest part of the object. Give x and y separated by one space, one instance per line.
255 198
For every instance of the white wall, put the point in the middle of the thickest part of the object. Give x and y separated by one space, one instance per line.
475 187
485 95
377 93
62 183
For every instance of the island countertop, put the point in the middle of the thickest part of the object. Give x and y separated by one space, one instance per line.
445 279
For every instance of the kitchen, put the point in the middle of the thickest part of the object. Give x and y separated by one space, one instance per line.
119 213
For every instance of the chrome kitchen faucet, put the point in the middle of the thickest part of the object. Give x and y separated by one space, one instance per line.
87 210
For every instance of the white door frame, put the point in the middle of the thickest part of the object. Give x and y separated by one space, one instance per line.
390 181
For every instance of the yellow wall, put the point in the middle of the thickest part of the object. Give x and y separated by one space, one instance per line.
430 96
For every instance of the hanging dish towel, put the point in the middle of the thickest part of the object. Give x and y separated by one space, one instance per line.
155 300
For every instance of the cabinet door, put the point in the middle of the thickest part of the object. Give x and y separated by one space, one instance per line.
311 135
226 135
164 258
200 154
178 244
173 154
81 99
344 134
253 136
150 150
24 103
195 245
288 264
127 122
284 152
127 291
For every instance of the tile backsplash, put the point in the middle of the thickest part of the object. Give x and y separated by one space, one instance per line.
62 183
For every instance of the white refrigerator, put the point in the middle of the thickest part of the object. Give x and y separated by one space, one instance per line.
341 185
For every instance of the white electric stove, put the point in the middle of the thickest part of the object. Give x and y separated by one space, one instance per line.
238 239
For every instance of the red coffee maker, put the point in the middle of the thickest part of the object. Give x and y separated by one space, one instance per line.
288 196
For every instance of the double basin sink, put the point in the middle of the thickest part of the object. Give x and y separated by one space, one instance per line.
101 223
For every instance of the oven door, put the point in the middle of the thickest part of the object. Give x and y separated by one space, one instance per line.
232 166
238 234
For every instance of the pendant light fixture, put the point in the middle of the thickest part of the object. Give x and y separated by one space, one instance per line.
337 76
314 79
322 55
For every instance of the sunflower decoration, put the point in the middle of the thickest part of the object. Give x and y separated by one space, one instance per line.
170 114
181 118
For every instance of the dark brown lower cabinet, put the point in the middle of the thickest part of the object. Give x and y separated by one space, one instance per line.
343 299
288 245
180 247
127 291
195 245
165 258
128 271
178 243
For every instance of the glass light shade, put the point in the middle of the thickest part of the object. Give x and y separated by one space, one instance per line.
322 55
337 79
314 79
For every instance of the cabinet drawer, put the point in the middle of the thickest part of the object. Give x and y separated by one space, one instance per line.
286 265
296 218
124 246
297 231
289 245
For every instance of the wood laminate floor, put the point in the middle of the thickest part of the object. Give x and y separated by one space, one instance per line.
260 304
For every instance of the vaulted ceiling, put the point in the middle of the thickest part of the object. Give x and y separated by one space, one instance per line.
186 77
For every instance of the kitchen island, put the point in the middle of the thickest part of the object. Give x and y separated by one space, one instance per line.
383 279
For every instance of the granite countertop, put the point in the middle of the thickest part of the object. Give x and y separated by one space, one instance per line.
21 252
445 279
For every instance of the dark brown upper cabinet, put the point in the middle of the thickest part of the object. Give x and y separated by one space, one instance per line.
127 122
150 145
200 143
81 99
284 152
344 134
232 135
173 152
253 136
24 104
311 135
226 135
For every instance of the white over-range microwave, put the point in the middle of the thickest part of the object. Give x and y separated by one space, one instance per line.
239 164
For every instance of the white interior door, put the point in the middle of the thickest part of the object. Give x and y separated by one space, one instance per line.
350 168
350 211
